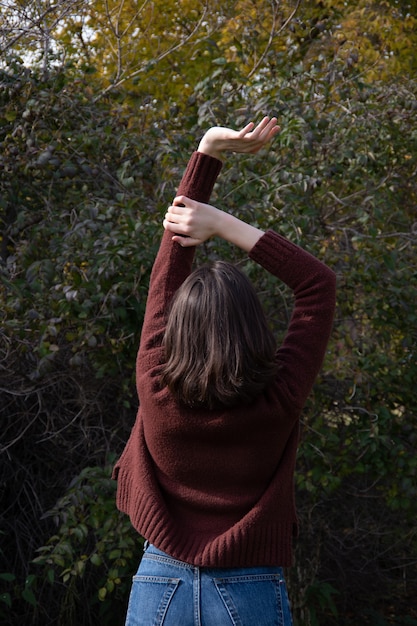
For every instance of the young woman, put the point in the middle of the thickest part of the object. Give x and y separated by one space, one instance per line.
207 473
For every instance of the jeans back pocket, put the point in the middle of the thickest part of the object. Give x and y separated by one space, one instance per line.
255 599
150 599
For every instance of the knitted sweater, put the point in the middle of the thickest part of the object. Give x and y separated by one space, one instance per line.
215 487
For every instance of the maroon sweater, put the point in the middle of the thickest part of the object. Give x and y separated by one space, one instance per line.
215 487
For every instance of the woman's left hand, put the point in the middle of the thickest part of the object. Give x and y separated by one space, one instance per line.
248 140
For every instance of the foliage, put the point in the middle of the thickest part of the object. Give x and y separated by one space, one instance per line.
94 138
71 195
88 562
94 546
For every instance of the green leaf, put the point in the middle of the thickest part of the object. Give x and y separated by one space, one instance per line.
102 593
7 576
29 596
6 598
96 559
10 116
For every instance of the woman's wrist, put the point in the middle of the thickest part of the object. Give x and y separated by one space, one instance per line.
210 147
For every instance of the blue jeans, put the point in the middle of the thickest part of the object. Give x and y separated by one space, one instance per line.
167 592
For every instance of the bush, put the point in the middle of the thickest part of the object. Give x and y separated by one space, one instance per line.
80 217
83 574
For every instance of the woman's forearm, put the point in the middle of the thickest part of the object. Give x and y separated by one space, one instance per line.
237 232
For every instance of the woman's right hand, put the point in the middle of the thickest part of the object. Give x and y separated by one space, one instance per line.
193 222
248 140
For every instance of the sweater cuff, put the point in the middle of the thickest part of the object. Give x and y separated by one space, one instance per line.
199 177
271 248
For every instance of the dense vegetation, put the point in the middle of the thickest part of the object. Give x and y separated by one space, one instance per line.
100 105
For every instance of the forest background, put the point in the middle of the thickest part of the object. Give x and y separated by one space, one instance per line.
101 104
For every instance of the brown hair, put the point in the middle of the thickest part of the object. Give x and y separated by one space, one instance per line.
219 349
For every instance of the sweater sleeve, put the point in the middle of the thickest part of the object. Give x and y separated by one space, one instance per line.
301 354
173 262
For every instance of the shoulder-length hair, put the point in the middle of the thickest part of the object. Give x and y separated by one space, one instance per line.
219 350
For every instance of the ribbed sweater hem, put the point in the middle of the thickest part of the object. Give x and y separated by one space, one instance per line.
246 544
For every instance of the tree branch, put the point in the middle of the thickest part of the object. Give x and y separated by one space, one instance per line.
27 22
273 34
145 66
